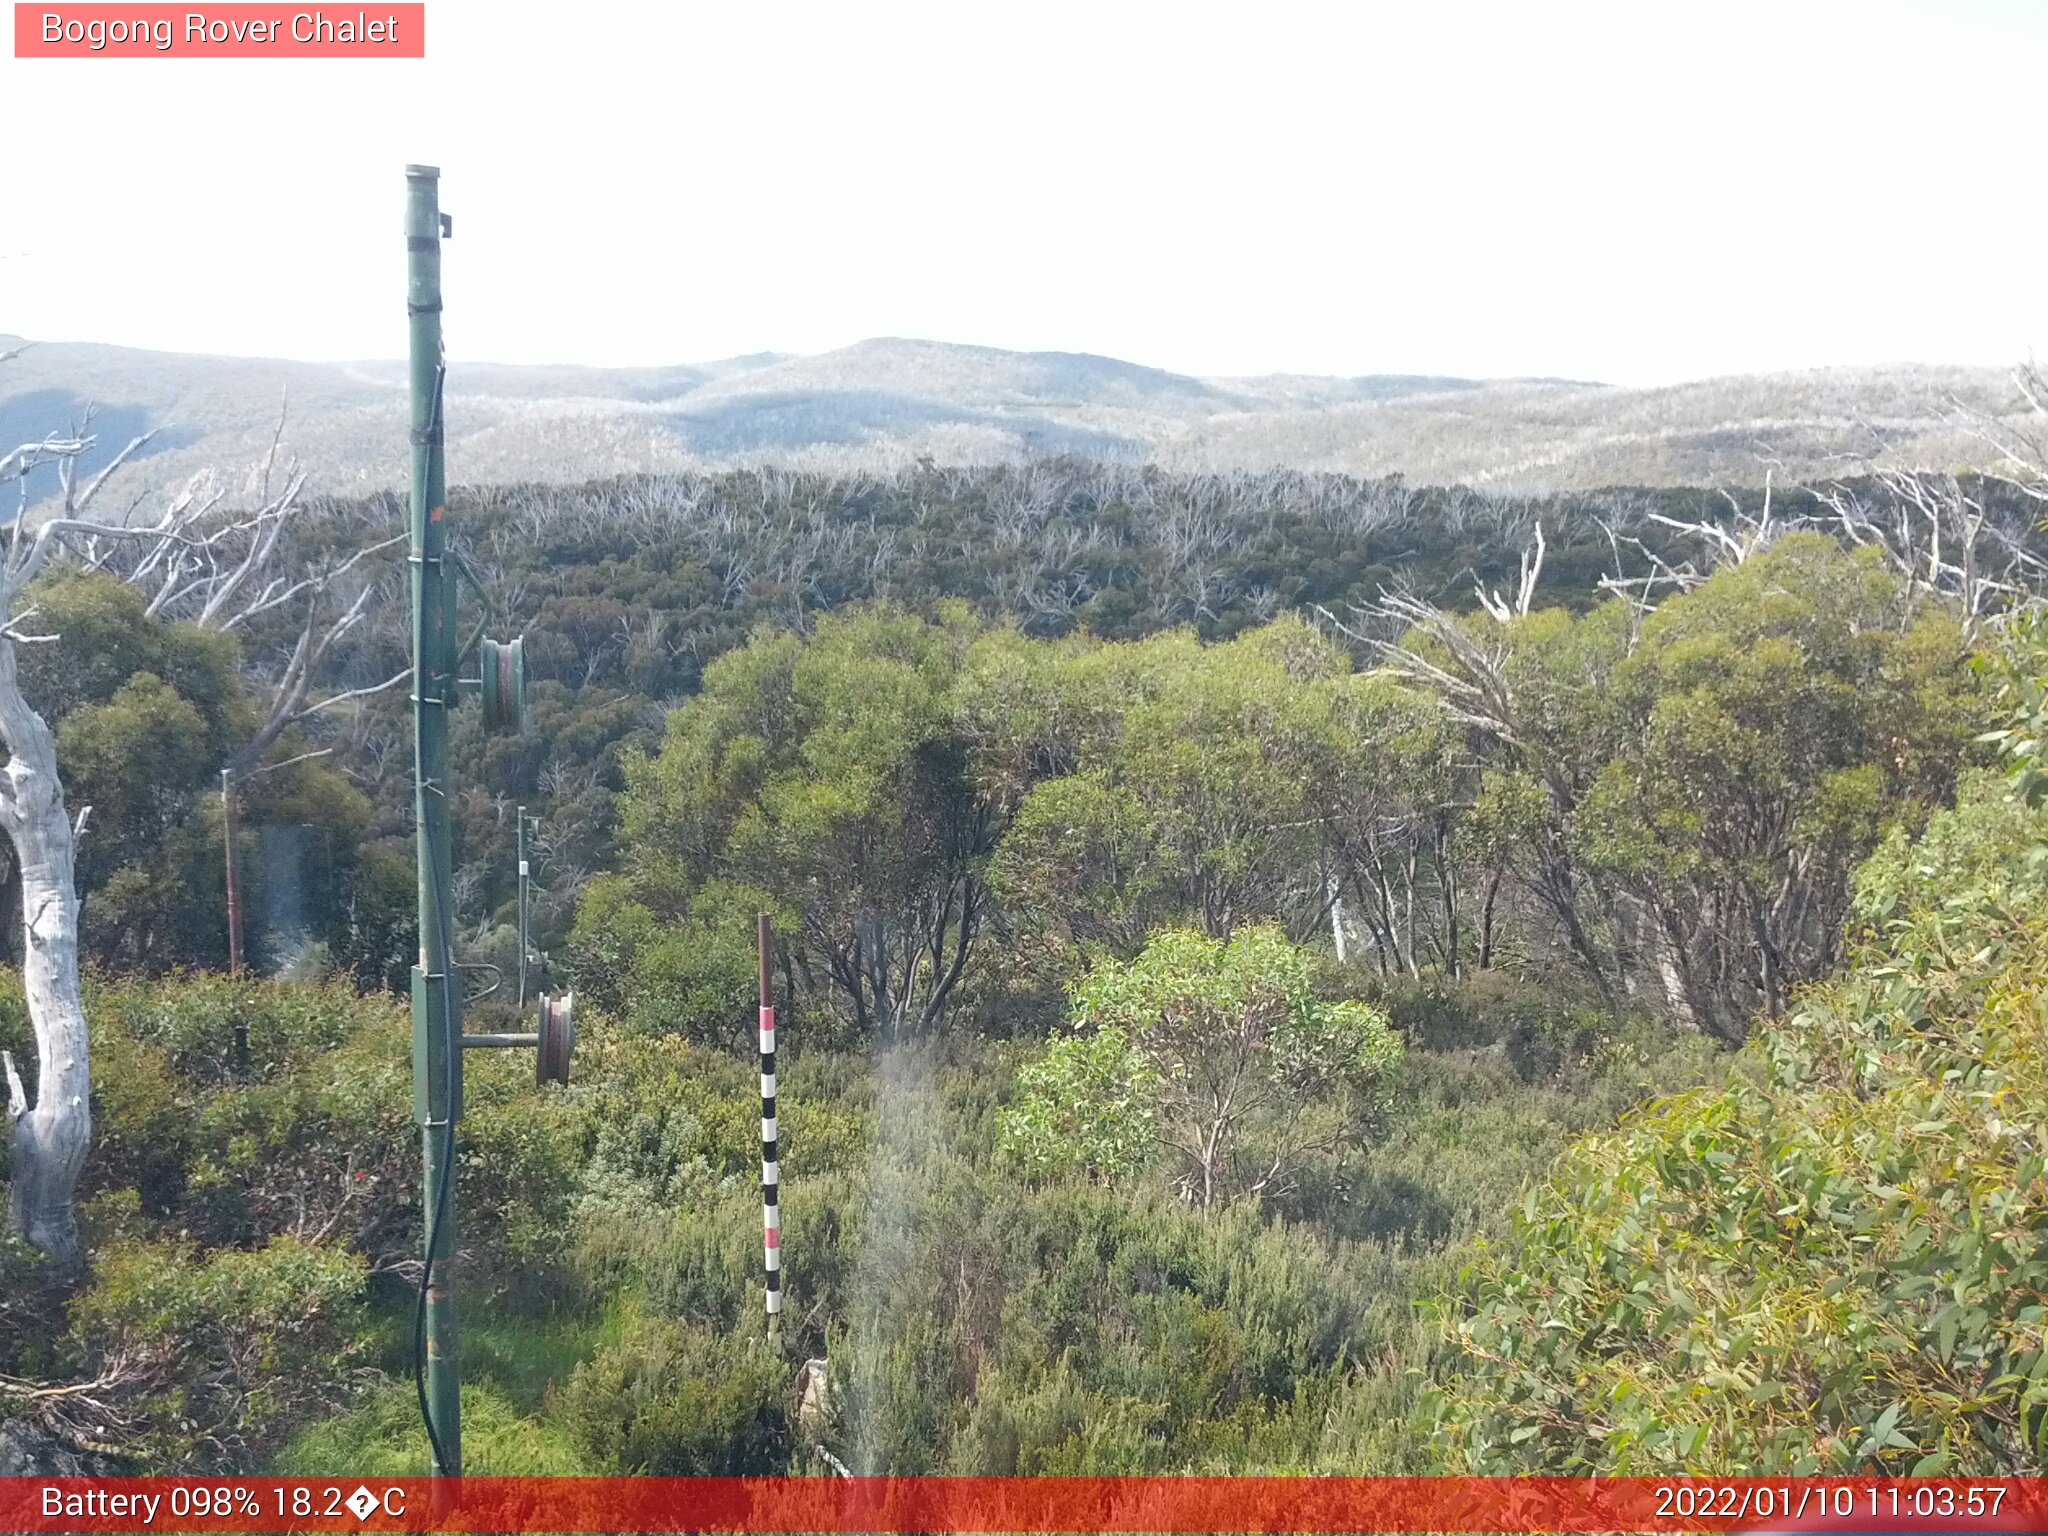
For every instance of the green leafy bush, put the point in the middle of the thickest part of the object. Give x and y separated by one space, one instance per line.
1542 1029
233 1347
1086 1104
672 1400
1215 1054
255 1168
1836 1262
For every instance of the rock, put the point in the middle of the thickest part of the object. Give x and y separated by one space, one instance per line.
29 1450
814 1400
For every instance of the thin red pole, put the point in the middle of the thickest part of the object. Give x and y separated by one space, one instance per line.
771 1205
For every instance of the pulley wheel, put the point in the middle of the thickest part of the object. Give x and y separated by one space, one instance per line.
557 1038
504 685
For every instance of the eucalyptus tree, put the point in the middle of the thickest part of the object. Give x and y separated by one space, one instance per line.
1531 690
1218 1057
1685 790
1197 786
1777 721
216 557
822 774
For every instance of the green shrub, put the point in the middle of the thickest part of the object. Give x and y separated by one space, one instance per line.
1834 1263
1055 1426
1542 1029
1438 1015
235 1346
610 927
193 1018
239 1199
1219 1057
311 1134
672 1400
940 1290
700 978
1085 1105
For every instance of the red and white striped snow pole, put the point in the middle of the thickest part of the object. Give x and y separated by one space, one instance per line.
771 1208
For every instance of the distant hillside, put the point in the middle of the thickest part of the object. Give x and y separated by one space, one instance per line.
888 401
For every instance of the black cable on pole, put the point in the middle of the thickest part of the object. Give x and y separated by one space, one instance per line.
419 1320
449 1028
419 1316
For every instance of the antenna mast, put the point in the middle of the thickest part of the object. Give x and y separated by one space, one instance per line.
437 1038
436 998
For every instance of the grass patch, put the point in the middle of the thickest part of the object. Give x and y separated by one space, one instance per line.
381 1437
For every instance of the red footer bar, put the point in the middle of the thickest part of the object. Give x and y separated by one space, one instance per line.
1025 1504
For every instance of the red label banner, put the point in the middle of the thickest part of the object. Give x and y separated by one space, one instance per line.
1025 1504
226 31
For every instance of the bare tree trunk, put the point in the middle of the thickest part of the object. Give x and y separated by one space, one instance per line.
49 1140
1554 888
1671 969
1447 885
1691 1003
1366 903
1770 972
1408 916
1493 877
1393 915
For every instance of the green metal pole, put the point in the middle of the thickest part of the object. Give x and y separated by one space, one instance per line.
436 1022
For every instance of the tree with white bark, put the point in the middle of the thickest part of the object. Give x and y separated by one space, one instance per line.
219 564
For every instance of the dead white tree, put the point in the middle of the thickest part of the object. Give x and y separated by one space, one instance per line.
214 559
2018 441
1940 534
1945 537
233 568
1525 592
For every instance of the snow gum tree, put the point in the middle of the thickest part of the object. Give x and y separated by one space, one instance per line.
207 562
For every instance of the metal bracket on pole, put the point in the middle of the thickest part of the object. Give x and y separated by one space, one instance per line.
551 1043
476 584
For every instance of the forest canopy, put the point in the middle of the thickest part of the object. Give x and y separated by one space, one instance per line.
1672 804
1207 908
1829 1264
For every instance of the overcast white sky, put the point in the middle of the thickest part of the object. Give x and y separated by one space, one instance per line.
1638 192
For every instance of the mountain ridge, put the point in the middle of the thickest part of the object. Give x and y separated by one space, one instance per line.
886 401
